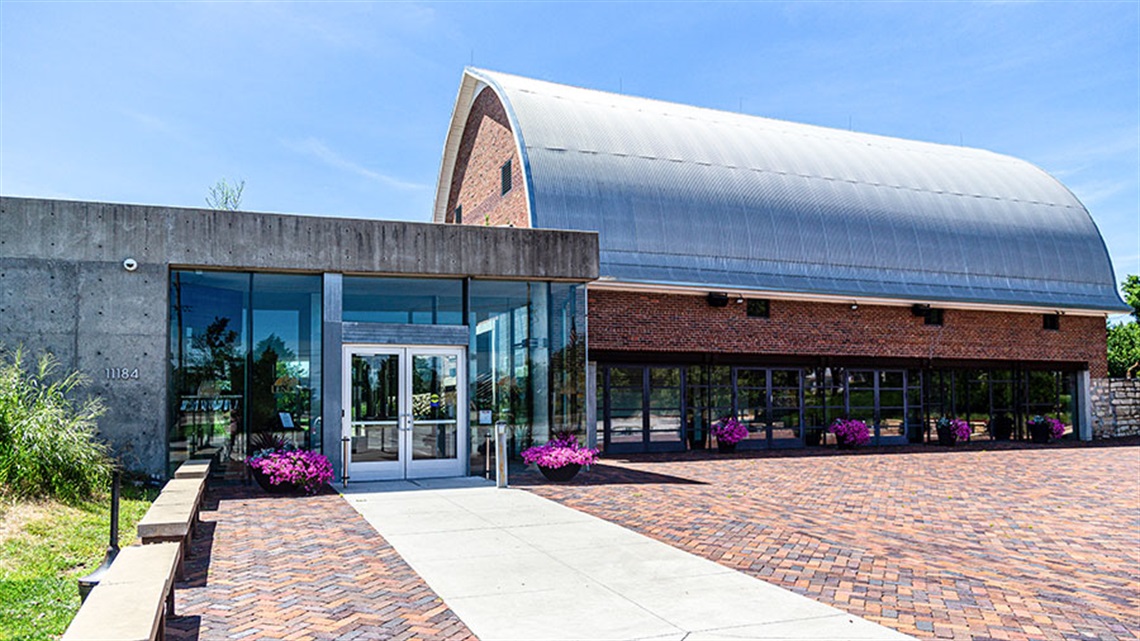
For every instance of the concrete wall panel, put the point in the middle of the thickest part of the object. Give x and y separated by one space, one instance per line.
63 287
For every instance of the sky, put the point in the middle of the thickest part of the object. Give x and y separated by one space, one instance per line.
341 108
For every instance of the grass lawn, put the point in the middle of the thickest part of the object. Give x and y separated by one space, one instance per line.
44 547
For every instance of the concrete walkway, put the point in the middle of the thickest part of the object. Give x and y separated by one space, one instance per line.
513 565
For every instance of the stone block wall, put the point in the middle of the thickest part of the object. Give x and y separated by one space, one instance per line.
1115 407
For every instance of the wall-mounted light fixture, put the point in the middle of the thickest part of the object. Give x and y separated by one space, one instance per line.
854 305
739 299
130 264
718 299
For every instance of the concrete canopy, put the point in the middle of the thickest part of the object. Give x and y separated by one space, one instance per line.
696 198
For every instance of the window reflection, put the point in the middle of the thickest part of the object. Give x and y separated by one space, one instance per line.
245 363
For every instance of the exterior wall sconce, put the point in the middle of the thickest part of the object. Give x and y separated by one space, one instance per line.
854 305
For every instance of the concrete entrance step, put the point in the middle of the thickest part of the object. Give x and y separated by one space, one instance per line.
513 565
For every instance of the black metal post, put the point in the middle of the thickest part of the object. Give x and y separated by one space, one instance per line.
88 583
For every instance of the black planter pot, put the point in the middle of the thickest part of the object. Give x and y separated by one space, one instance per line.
281 488
725 448
843 443
1039 433
946 436
1002 427
560 474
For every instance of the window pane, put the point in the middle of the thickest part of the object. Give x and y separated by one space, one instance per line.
891 421
861 379
785 398
664 377
208 346
892 398
891 379
626 376
665 398
786 378
626 398
752 378
420 301
285 378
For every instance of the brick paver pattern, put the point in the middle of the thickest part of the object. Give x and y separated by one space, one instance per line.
1020 543
300 568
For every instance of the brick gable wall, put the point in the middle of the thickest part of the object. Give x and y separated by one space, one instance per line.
641 322
476 183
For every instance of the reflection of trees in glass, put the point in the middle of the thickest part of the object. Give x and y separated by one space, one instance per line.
275 386
215 358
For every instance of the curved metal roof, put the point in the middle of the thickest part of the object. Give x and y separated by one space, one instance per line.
686 196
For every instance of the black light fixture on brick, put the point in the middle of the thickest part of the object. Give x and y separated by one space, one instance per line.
718 299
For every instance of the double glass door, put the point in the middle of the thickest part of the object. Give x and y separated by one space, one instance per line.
403 415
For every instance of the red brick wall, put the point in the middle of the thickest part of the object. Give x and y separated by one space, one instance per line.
625 321
476 182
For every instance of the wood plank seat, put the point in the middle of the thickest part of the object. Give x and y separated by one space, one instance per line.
121 612
143 563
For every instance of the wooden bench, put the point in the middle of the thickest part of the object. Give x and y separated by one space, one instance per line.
121 612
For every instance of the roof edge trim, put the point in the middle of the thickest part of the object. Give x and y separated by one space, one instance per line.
700 290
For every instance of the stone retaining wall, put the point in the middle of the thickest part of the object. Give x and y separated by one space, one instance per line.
1115 407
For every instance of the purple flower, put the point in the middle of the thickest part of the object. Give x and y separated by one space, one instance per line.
1056 427
959 428
850 431
307 470
729 431
561 451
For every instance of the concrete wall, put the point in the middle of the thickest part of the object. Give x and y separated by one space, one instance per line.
1115 407
63 287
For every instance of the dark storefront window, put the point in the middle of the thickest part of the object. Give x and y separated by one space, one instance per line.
641 408
245 362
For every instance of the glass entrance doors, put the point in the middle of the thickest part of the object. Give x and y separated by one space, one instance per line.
402 412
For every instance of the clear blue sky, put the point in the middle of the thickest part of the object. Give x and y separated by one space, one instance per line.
341 108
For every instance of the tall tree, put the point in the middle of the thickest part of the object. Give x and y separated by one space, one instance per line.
1124 338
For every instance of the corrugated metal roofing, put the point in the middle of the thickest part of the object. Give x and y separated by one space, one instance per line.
682 195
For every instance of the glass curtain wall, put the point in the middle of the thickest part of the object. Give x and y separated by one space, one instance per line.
998 403
528 361
245 359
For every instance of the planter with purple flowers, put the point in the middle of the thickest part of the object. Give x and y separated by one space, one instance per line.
561 458
952 430
728 433
1043 429
290 471
850 433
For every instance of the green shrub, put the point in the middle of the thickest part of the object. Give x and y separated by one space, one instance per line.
49 443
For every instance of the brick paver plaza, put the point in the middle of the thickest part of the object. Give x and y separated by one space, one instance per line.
1019 543
300 568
